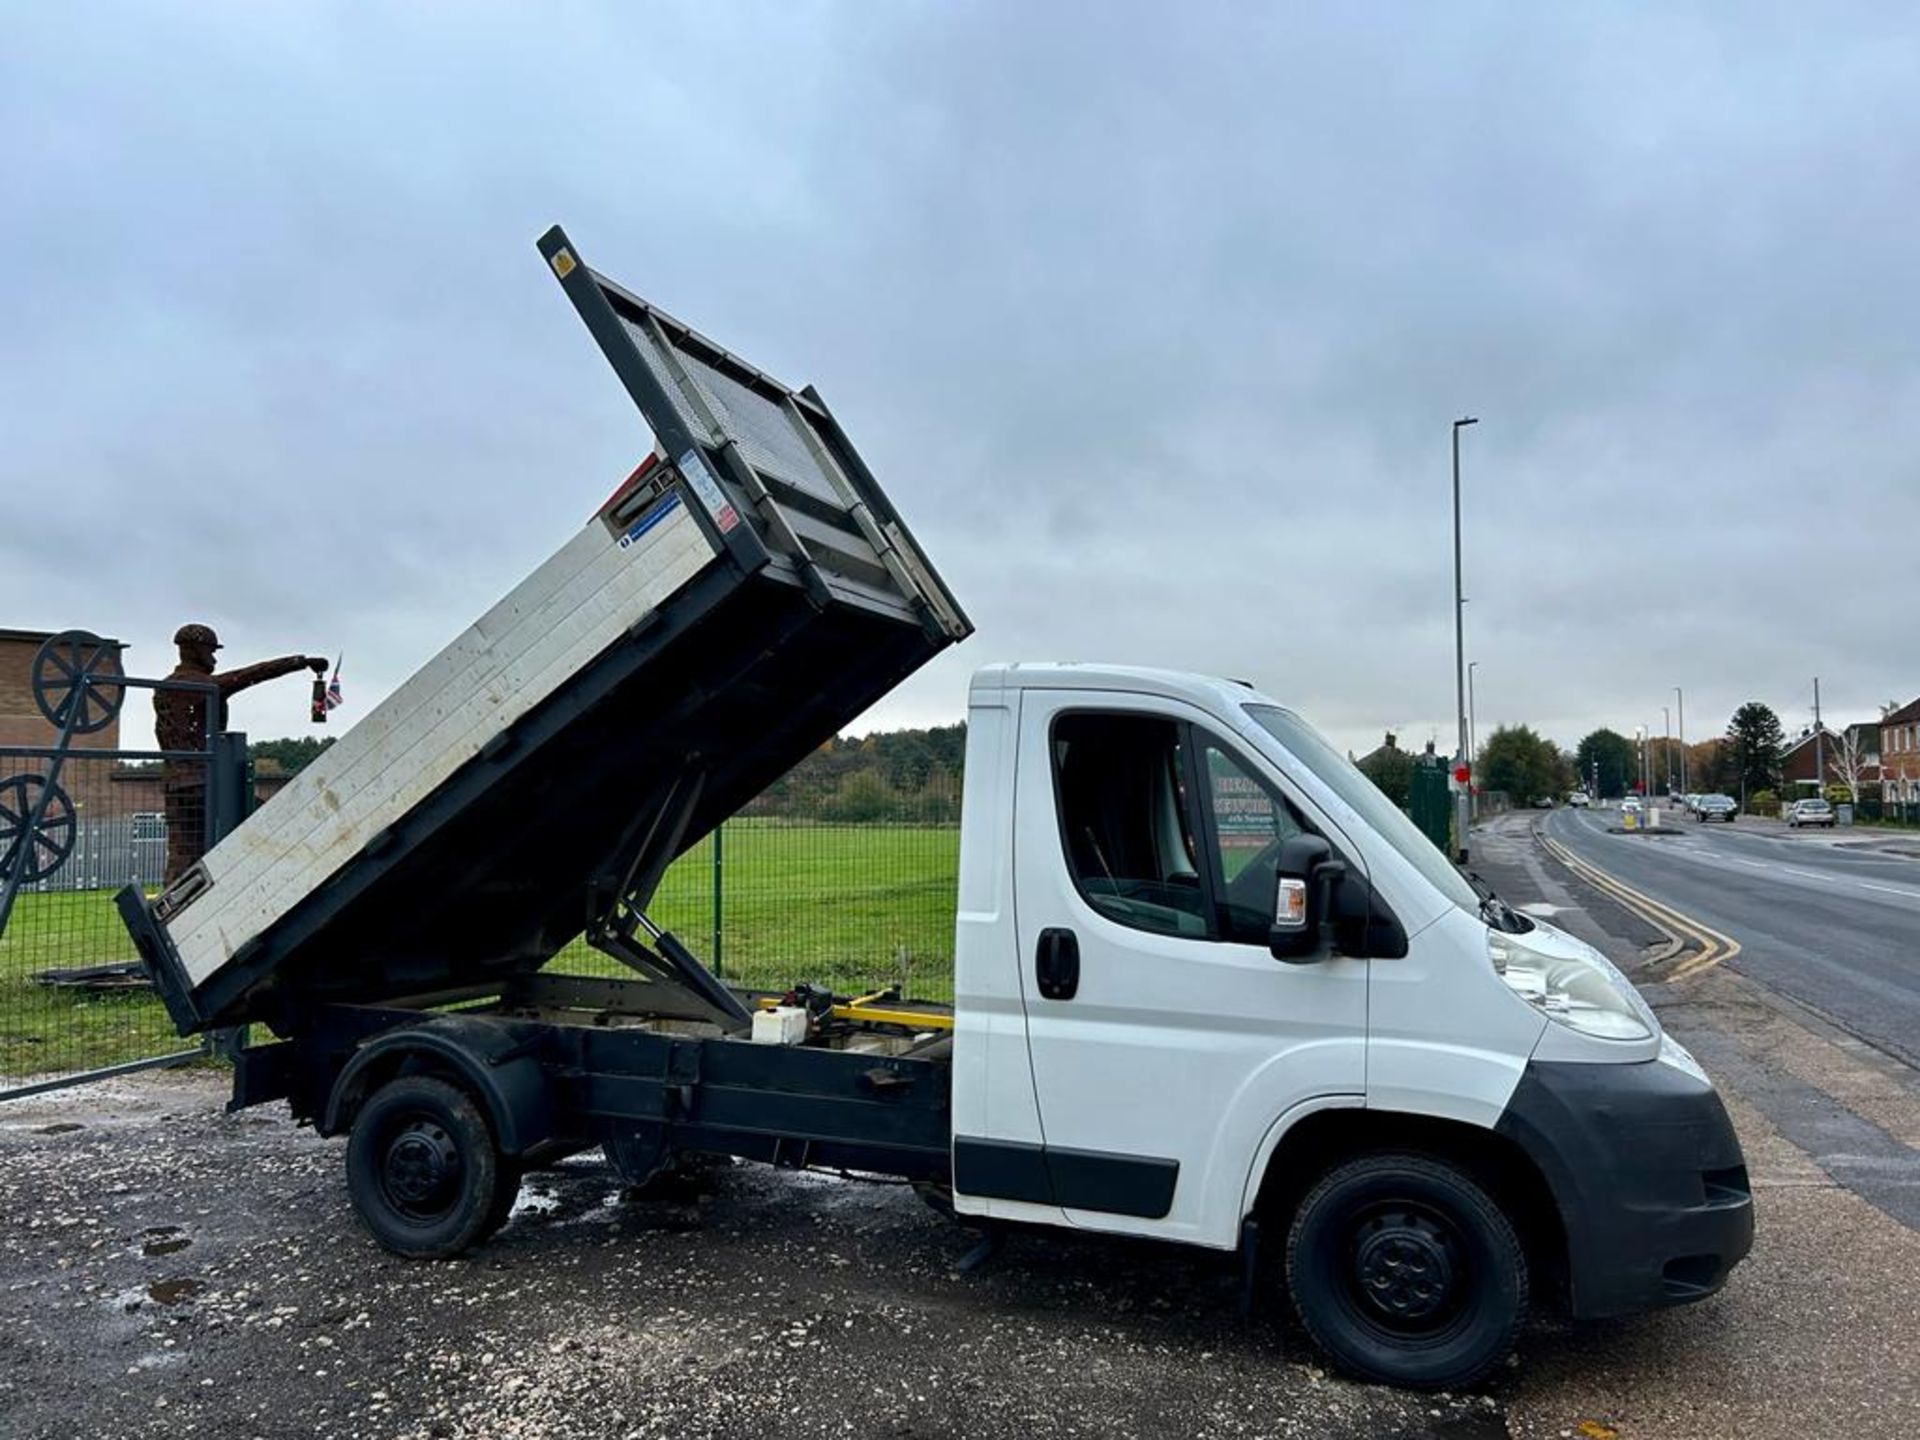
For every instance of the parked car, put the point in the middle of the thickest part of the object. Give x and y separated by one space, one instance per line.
1811 811
1716 807
1578 800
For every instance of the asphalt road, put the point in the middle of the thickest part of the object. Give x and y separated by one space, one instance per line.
1834 926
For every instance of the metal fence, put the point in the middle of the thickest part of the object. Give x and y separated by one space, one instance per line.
773 900
72 996
81 817
768 901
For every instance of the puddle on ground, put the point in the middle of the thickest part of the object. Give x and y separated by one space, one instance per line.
164 1240
172 1292
59 1127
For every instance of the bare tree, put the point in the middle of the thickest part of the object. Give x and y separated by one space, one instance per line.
1846 760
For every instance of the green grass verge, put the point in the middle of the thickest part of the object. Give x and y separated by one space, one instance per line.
848 906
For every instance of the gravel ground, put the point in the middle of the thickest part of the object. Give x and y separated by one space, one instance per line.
175 1270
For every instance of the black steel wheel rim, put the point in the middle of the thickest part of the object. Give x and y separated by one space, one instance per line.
75 675
1408 1276
420 1169
38 849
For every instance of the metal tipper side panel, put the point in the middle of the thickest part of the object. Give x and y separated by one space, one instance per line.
812 602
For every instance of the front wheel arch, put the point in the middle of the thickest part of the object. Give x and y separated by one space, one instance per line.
1317 1143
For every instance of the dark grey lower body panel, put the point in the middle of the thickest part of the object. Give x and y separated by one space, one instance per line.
1137 1185
1648 1176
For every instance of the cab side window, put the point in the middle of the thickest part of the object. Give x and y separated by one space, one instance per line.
1120 782
1248 823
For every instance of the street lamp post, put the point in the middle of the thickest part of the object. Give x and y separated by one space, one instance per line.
1473 742
1462 814
1666 745
1681 701
1819 754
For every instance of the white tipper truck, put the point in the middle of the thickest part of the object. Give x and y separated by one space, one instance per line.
1211 986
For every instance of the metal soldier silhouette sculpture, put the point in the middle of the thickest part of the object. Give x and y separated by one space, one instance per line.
180 723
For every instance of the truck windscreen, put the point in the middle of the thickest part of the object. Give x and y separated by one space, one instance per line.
1346 780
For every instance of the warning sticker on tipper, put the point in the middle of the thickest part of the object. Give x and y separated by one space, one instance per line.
713 499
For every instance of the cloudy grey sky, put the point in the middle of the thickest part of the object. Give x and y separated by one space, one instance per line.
1151 318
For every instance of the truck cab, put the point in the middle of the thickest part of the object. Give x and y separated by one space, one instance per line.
1208 978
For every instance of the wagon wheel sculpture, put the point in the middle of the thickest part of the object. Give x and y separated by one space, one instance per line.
41 848
75 677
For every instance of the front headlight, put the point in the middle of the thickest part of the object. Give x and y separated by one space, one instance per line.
1574 986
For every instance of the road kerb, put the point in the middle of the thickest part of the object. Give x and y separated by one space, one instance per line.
1714 946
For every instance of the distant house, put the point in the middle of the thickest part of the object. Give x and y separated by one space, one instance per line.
1802 762
1900 755
1389 767
1799 762
1380 752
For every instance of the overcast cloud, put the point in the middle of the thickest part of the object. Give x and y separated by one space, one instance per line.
1151 319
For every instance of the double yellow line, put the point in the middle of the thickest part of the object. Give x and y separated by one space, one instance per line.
1678 928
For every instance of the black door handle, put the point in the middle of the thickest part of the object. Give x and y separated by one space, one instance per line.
1056 963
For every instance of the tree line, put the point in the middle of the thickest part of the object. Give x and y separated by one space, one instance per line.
899 776
914 776
1516 760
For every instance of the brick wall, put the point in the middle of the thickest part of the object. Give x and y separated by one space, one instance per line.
1900 755
21 722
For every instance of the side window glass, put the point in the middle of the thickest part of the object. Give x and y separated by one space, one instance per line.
1126 820
1250 823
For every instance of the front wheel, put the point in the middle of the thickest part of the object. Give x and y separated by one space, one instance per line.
1404 1270
425 1175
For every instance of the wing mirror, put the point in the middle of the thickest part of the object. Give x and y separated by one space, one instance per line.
1308 879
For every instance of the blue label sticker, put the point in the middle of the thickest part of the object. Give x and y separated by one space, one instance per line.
654 514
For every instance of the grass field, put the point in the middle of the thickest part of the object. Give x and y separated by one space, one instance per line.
849 906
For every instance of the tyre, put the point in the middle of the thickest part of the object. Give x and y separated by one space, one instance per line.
1404 1270
423 1170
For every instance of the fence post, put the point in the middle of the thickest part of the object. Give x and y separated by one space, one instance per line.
226 785
718 831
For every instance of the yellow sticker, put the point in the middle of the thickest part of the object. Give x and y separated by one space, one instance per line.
563 262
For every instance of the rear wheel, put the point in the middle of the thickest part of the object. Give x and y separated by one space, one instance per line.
423 1170
1406 1271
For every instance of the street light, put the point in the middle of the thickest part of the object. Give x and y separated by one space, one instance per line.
1462 815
